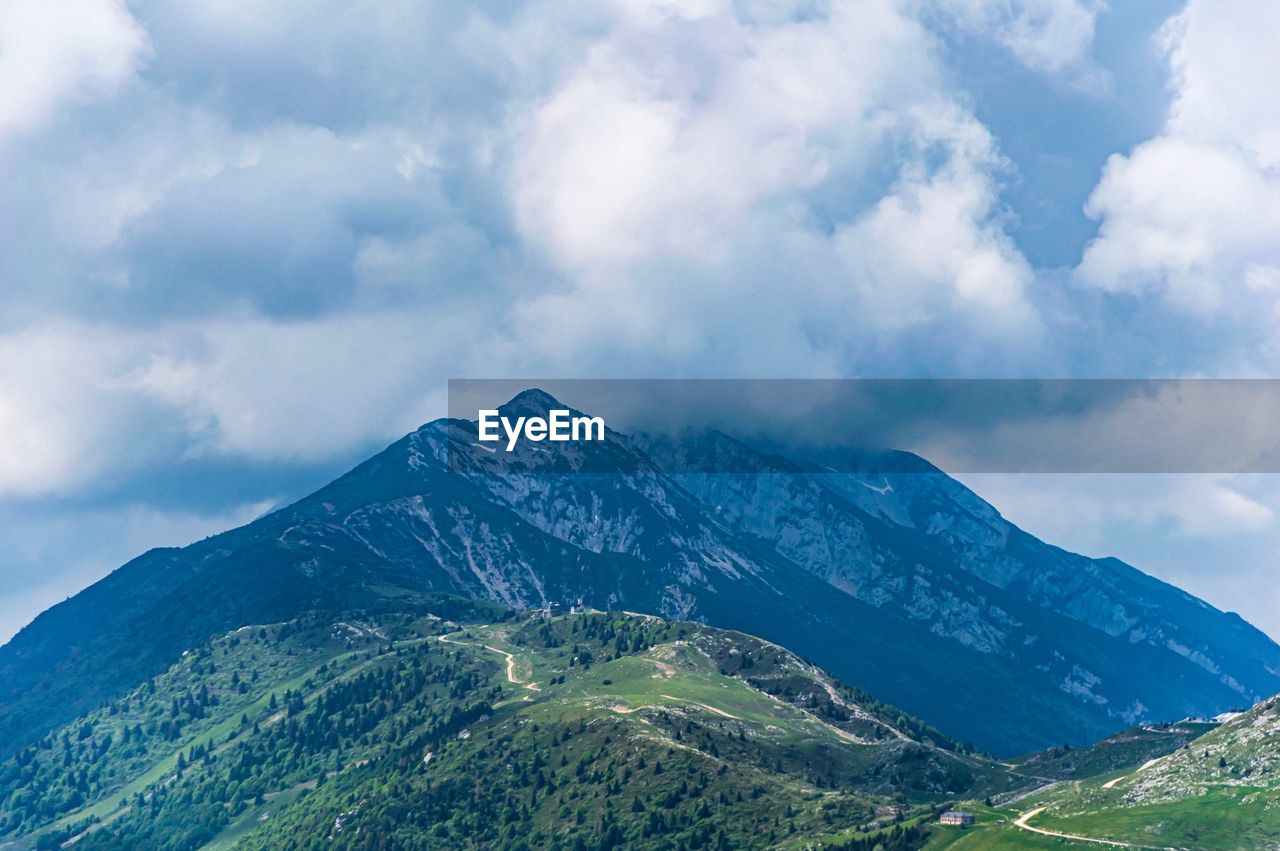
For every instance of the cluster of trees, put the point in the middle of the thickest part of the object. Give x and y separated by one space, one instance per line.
898 838
91 758
229 677
395 706
587 784
599 636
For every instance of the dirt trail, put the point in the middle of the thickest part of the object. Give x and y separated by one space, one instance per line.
511 662
511 670
1021 821
1113 781
719 712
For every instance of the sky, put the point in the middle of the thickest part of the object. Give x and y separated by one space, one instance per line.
243 245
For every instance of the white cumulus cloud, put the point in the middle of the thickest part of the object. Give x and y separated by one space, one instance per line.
699 166
1045 35
1193 214
51 52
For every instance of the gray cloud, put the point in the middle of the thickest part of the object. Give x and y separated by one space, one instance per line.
1062 426
282 233
258 236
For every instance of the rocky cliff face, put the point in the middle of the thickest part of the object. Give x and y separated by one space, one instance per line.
917 540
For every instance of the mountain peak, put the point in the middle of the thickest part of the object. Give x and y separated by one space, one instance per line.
908 585
533 402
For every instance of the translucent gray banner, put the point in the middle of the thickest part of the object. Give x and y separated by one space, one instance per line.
868 426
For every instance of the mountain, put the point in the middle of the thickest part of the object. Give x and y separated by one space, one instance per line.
463 725
920 544
908 585
1126 749
1217 792
865 533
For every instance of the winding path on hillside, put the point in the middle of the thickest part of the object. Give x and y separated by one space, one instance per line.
705 706
1113 781
511 662
1021 821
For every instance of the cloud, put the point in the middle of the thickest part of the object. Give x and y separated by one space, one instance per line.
53 550
61 421
260 390
83 407
280 231
678 125
1076 509
1210 508
348 64
1221 66
253 235
932 246
1214 536
700 168
1191 216
1186 220
51 53
280 266
1045 35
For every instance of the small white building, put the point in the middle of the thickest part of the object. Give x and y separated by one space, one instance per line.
956 817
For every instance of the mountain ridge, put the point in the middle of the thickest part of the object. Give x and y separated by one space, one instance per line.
908 603
1216 791
260 735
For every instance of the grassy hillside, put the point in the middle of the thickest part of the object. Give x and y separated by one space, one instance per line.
468 726
1125 749
1217 792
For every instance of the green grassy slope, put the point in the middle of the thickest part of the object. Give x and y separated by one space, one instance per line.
1217 792
1126 749
482 729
